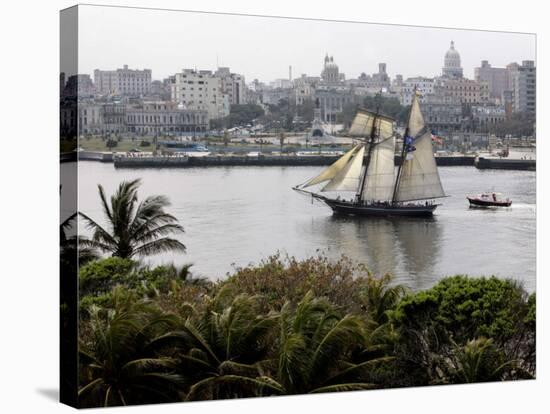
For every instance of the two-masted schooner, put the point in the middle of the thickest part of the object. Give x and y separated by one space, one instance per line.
369 170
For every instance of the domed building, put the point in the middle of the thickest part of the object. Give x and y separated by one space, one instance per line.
330 73
452 67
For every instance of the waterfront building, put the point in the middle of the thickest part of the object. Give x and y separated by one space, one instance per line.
524 87
124 81
165 118
200 90
147 118
451 64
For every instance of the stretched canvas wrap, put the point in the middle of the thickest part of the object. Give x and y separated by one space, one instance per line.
258 206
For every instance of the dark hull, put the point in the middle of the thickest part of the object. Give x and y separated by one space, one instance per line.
485 203
340 207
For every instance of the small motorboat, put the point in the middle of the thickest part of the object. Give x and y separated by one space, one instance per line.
491 199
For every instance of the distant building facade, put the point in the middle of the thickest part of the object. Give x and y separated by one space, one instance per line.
486 115
233 85
424 86
165 117
443 114
466 90
124 81
200 90
147 118
496 79
332 102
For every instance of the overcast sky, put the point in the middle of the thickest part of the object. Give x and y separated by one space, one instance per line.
263 48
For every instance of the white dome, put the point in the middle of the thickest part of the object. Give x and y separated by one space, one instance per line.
451 66
452 52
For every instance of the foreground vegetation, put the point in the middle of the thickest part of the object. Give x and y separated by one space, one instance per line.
284 326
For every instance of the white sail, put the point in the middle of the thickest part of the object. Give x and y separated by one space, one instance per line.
419 178
362 125
334 169
348 178
380 180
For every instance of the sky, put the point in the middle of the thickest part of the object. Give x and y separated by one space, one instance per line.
264 47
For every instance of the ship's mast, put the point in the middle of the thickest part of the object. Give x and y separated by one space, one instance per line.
403 150
369 152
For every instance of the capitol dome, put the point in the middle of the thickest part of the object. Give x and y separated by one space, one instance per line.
451 66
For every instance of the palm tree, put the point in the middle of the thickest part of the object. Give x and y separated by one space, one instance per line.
221 350
316 349
479 360
379 297
120 365
134 229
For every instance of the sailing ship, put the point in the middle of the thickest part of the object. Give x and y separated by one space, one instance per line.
368 169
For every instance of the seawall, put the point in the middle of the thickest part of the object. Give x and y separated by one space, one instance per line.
263 160
505 164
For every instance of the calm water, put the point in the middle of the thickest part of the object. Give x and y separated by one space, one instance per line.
236 216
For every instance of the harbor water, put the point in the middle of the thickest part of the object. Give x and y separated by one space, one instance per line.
235 216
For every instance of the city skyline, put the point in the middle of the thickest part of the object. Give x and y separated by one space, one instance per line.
267 56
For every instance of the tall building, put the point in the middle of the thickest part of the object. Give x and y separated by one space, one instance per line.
128 82
496 79
525 87
233 85
451 64
200 90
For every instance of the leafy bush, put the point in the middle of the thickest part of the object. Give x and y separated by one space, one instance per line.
431 324
101 276
467 308
280 279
